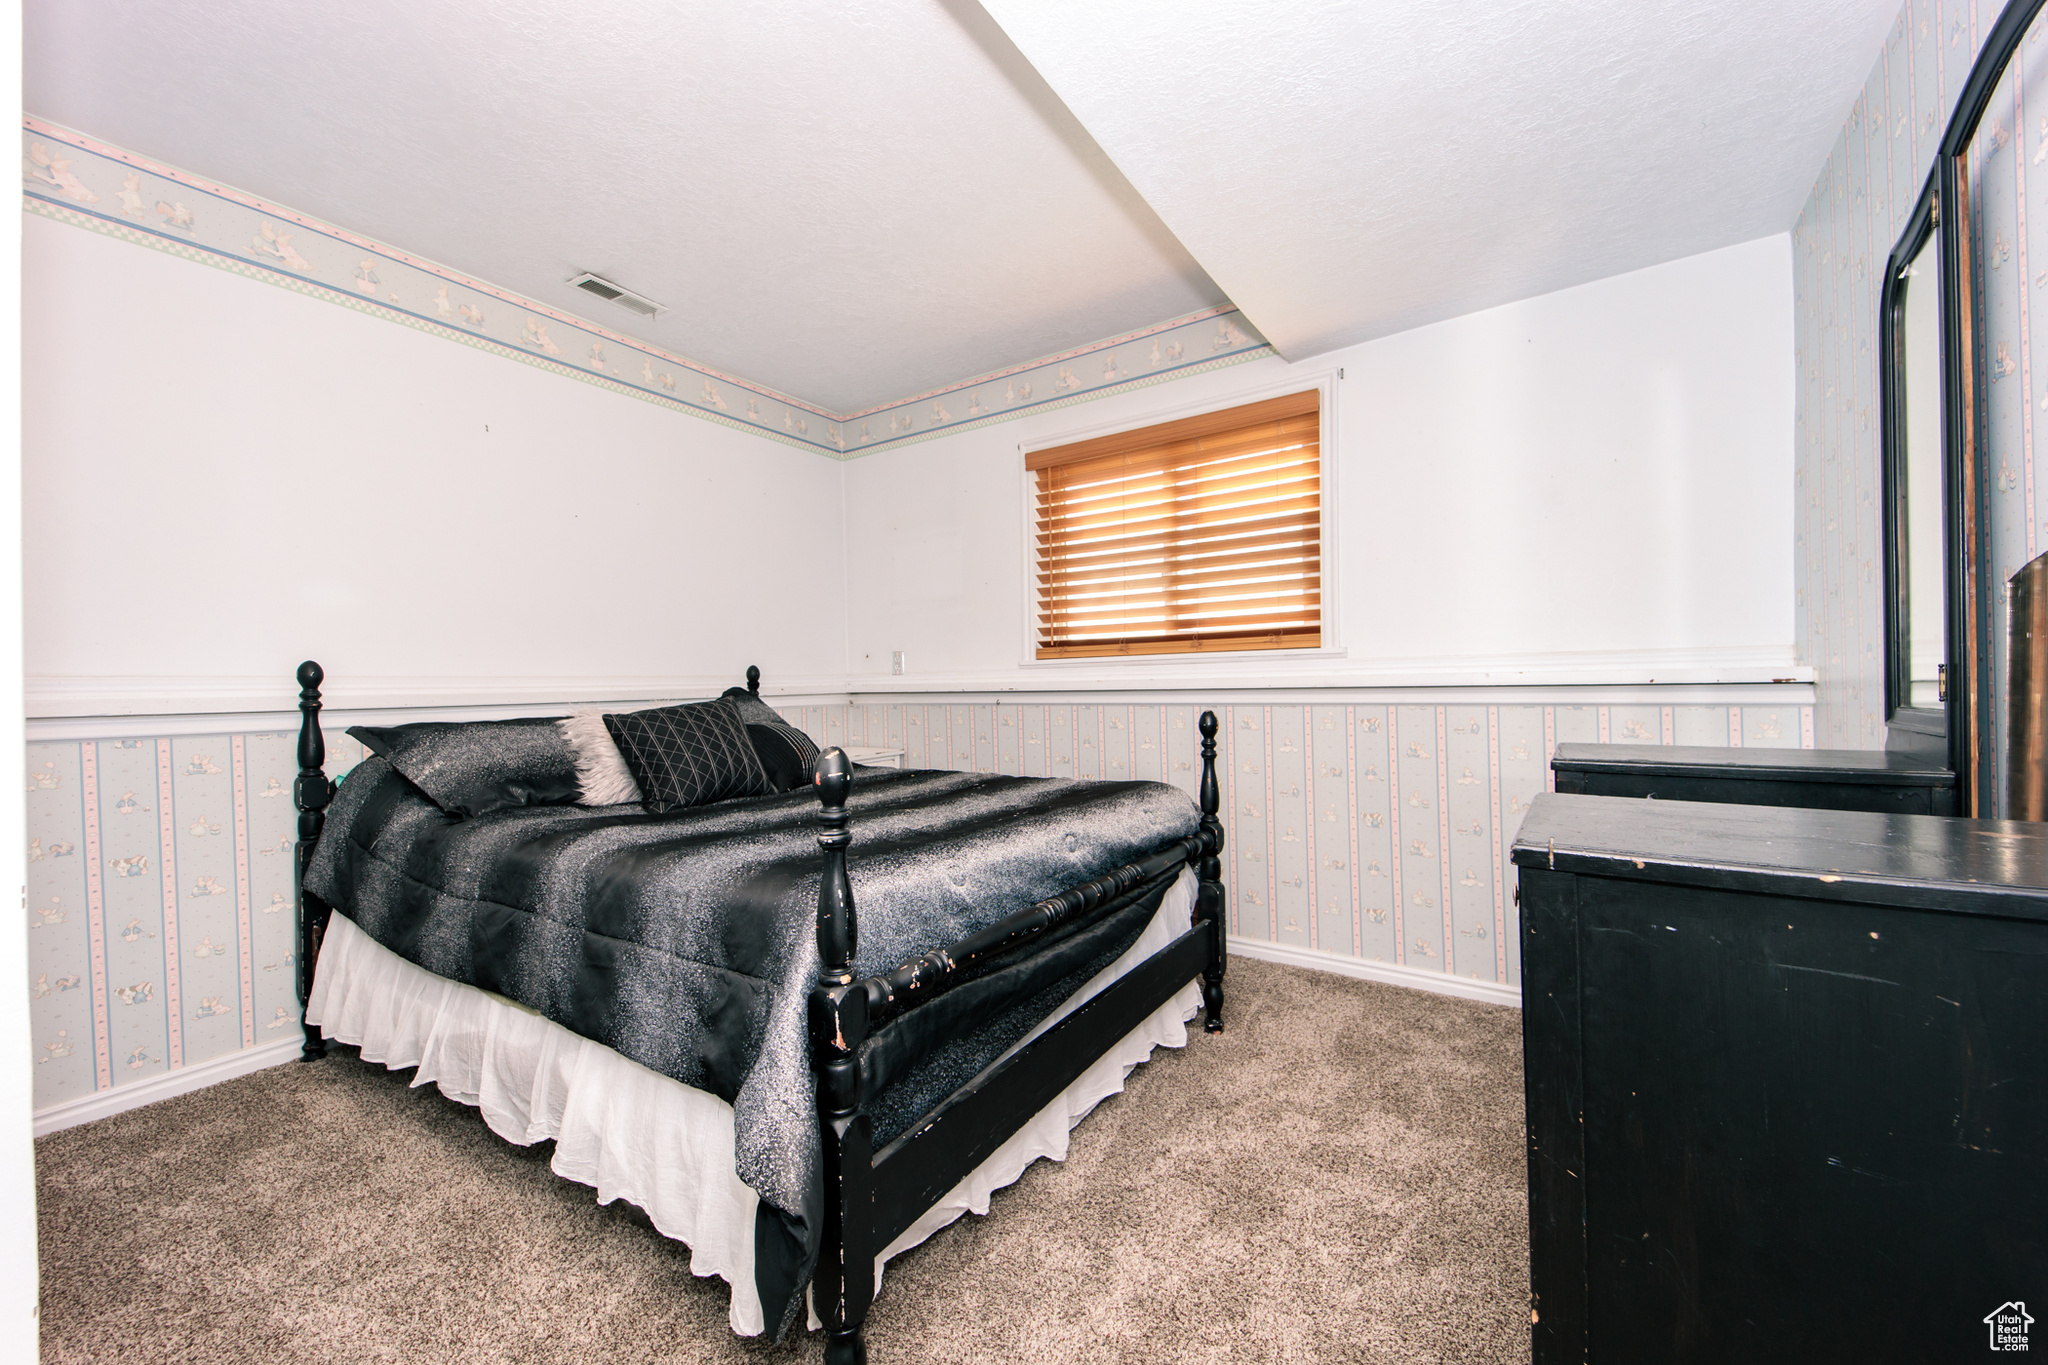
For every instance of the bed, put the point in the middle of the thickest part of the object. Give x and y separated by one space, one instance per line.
1025 940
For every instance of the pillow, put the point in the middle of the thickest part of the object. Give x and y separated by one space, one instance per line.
782 756
754 712
475 767
689 755
601 770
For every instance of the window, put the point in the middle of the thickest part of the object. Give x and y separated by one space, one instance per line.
1188 537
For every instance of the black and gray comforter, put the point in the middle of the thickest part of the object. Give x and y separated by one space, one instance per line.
687 942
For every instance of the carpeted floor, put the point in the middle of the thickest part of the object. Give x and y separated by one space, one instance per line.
1339 1177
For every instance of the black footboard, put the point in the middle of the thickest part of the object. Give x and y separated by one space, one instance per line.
914 1171
871 1197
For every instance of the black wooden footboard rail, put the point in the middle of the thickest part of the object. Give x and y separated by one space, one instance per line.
938 971
872 1197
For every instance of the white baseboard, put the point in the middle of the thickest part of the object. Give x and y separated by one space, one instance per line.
198 1076
1390 973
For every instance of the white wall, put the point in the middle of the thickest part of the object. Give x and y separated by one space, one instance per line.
224 477
18 1270
1595 485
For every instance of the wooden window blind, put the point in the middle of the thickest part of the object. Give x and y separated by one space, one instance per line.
1187 537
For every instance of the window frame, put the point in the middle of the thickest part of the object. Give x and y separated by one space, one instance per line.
1300 380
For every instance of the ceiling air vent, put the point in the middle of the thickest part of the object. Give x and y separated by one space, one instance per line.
625 298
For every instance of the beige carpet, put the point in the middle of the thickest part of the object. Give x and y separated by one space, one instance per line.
1338 1177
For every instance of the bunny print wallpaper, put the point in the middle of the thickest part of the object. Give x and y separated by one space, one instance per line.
160 918
75 179
160 922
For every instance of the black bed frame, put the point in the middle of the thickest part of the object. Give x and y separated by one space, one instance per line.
872 1196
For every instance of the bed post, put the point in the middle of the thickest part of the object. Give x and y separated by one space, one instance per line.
754 680
845 1278
1209 898
310 793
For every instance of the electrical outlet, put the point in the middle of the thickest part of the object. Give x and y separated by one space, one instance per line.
896 662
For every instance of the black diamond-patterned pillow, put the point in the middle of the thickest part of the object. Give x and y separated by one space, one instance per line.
689 755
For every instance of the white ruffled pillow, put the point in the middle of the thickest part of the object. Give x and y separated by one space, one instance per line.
601 770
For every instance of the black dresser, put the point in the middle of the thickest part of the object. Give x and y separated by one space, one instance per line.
1825 779
1787 1080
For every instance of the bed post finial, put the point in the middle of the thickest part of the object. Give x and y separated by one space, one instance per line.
838 936
844 1281
1209 901
754 679
310 793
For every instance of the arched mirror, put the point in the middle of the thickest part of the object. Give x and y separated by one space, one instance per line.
1916 492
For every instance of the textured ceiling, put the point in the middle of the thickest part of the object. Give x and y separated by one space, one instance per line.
850 203
1349 168
854 203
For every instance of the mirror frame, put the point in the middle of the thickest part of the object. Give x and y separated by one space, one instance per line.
1965 489
1936 724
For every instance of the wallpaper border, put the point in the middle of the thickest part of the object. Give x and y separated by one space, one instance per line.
56 188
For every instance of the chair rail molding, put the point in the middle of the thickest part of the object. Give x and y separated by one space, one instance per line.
1770 666
53 697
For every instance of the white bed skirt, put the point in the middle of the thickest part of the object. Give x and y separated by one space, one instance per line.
633 1134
